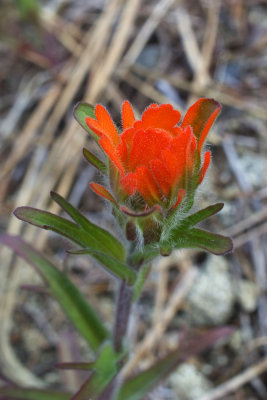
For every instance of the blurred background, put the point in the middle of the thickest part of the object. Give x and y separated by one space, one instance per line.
55 53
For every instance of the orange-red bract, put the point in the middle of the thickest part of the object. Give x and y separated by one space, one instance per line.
154 156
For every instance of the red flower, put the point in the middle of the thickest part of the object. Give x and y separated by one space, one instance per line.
155 156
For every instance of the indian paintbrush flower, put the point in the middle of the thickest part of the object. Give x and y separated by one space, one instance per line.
154 167
154 161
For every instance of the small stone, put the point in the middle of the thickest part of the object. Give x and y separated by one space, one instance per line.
189 383
248 295
211 298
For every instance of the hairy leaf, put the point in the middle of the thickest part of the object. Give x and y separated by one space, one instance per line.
200 239
94 240
92 159
105 241
201 215
80 112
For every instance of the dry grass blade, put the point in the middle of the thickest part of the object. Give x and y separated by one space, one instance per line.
102 74
236 382
145 32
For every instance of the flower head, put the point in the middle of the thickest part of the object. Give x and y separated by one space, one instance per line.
155 158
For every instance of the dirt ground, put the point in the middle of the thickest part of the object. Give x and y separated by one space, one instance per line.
56 53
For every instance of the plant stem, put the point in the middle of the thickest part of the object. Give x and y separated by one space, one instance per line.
123 309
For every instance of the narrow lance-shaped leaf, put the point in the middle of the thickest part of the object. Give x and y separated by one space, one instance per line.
105 368
47 220
200 216
117 268
69 297
19 393
92 159
81 111
201 239
99 238
95 241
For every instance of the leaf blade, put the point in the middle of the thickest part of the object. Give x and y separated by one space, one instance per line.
201 239
69 297
99 243
18 393
80 112
92 159
201 215
105 369
108 243
47 220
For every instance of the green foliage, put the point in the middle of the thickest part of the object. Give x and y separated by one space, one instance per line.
200 239
201 215
92 159
81 111
94 240
28 8
182 234
69 297
19 393
100 238
104 370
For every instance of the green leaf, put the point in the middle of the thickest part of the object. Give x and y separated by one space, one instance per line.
95 241
92 159
201 215
137 387
105 368
201 239
99 239
140 281
69 297
28 9
81 111
146 254
46 220
114 266
18 393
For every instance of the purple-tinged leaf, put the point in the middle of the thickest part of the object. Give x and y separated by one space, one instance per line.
19 393
69 297
72 365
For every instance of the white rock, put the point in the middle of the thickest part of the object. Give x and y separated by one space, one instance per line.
248 295
188 383
211 298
